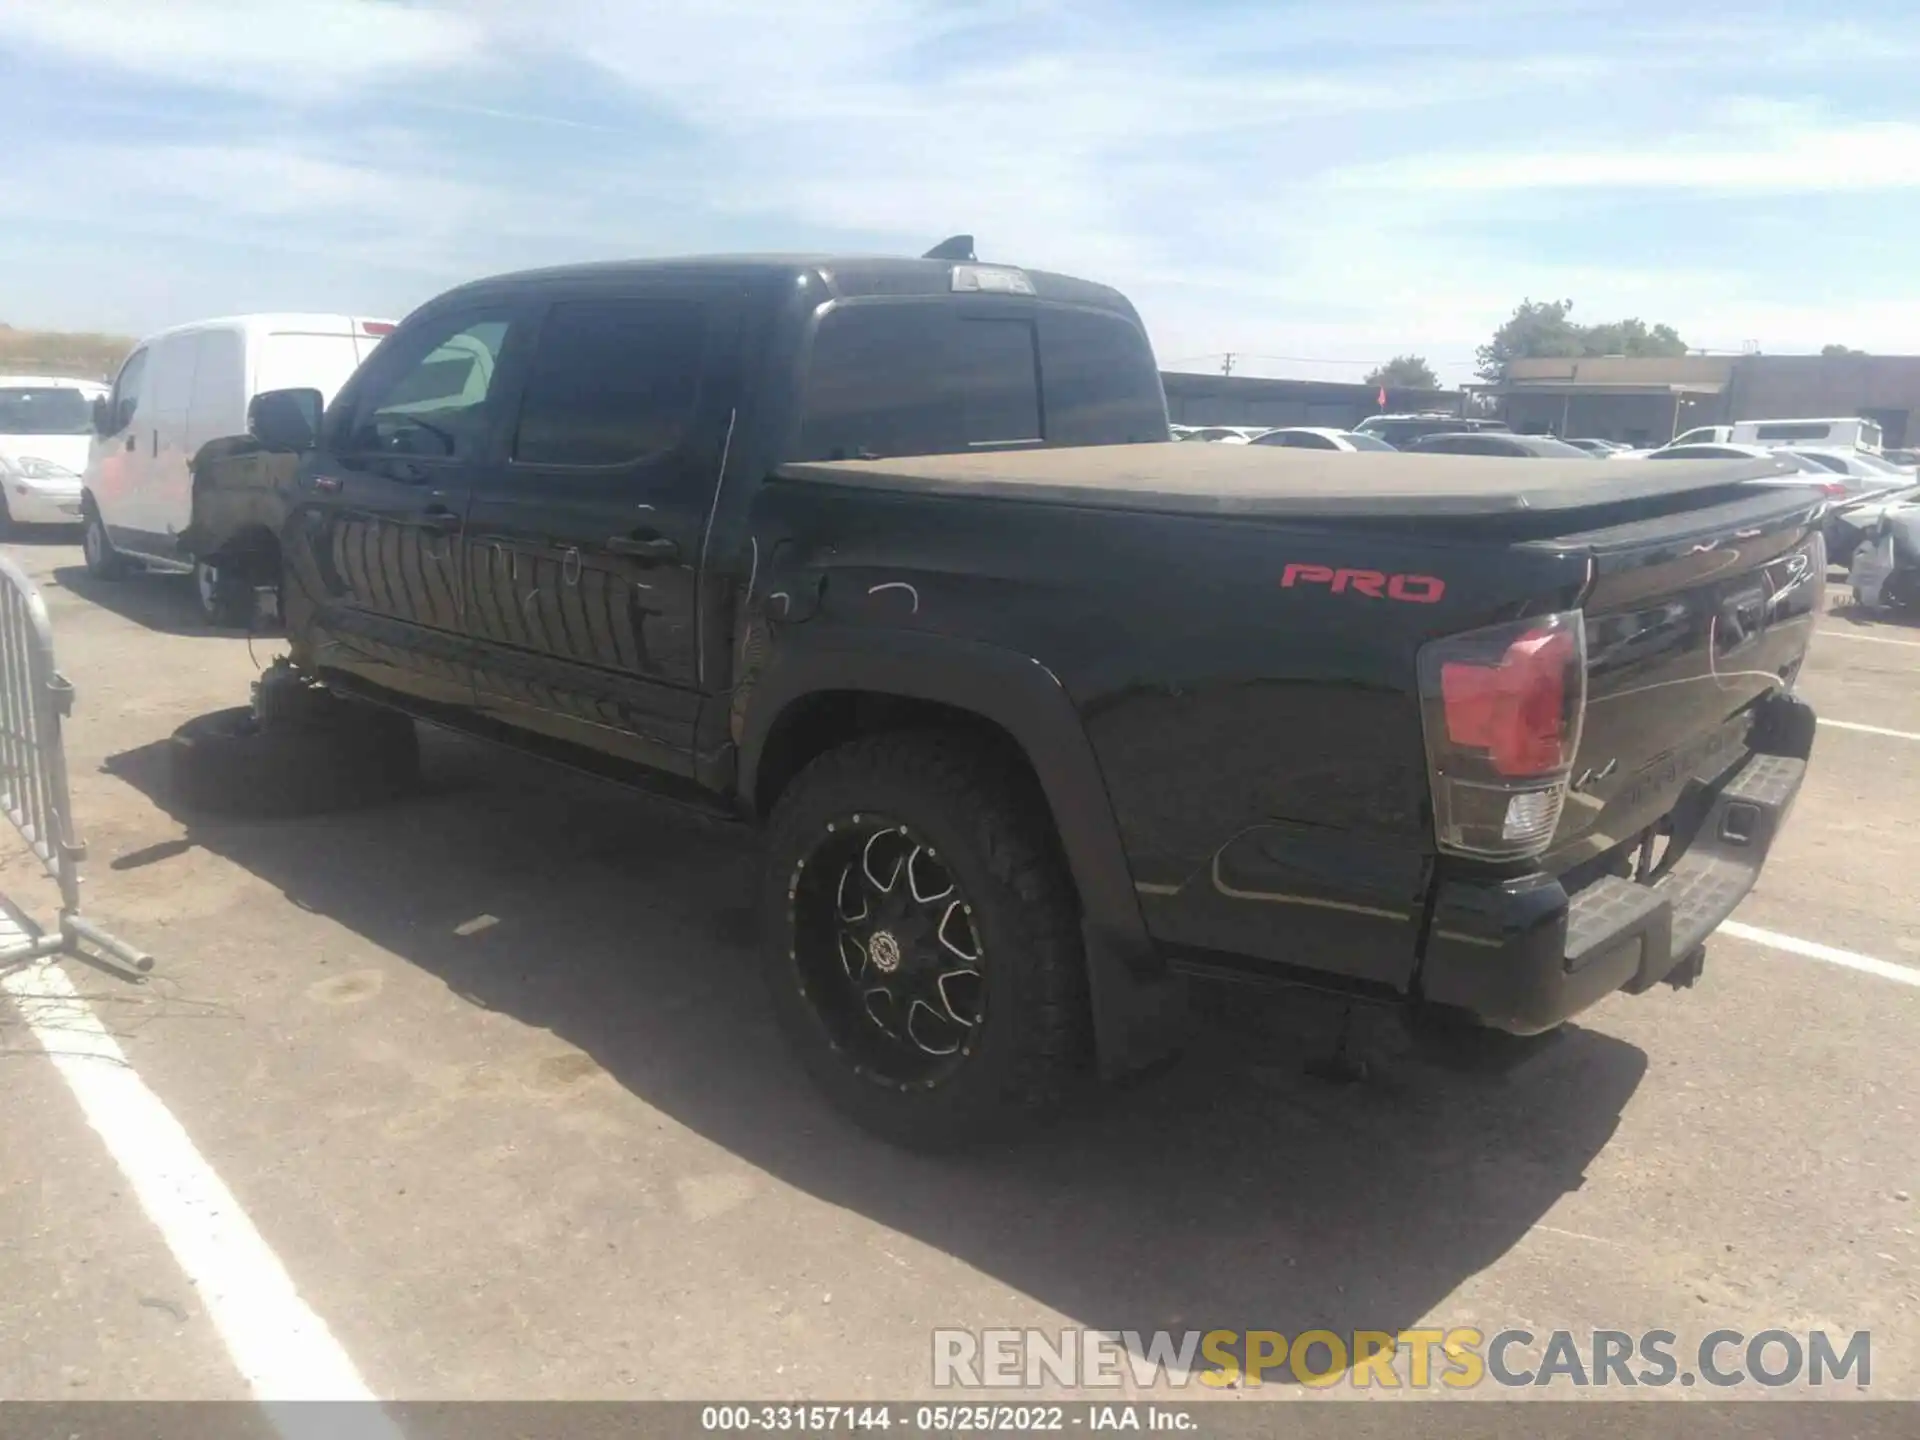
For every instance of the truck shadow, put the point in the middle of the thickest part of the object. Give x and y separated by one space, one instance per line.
159 602
1232 1192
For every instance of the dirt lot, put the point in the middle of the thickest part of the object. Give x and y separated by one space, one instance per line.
490 1073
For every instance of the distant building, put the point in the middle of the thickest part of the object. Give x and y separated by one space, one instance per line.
1647 401
1247 400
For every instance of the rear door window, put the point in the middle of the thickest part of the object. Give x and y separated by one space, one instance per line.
613 382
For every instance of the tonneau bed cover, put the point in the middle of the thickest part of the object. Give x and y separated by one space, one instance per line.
1190 477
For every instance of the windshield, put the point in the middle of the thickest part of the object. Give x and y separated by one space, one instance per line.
45 410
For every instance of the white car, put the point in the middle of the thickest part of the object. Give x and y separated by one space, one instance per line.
1226 434
46 423
1865 471
1316 437
1807 471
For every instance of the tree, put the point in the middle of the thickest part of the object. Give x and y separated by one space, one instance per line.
1540 328
1831 350
1404 372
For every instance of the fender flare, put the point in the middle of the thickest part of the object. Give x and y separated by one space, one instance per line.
1138 1003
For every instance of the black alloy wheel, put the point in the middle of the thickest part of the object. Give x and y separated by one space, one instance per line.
887 951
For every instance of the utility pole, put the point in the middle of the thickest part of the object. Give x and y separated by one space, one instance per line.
1226 364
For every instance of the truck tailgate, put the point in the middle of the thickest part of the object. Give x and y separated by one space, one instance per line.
1691 618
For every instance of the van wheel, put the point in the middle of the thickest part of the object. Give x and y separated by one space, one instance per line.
226 600
922 940
230 763
103 561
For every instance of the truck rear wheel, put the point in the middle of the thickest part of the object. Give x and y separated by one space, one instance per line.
231 763
922 940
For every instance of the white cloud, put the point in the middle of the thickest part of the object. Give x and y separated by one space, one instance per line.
1879 156
1309 183
285 48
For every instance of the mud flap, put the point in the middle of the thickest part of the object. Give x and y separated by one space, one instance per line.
1140 1013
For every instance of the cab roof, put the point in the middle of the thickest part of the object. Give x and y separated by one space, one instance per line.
839 276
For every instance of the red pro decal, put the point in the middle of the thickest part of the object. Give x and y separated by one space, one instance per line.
1374 584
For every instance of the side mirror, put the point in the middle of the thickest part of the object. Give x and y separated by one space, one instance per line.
285 419
102 416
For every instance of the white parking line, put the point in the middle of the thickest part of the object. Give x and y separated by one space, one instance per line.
281 1347
1870 729
1868 639
1813 950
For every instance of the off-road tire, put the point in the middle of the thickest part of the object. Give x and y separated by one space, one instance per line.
103 561
991 830
227 763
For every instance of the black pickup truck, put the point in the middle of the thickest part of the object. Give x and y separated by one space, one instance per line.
1042 714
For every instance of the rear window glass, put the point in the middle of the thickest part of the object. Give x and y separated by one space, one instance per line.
45 410
919 379
290 360
1791 432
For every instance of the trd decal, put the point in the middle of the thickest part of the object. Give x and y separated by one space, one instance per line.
1375 584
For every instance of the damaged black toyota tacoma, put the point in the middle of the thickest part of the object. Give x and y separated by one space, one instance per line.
1042 714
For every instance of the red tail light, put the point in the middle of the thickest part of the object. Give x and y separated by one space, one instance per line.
1514 709
1502 710
377 327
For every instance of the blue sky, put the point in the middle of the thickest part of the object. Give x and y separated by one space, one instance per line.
1314 186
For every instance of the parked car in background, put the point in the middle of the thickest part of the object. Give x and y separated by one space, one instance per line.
1597 447
1225 434
1848 432
1903 457
1519 447
1314 437
1396 430
1865 471
178 391
45 424
1701 435
1852 523
1800 464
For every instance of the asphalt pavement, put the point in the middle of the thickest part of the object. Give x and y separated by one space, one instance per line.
489 1075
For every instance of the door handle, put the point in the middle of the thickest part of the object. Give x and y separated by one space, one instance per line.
441 519
644 547
132 441
156 444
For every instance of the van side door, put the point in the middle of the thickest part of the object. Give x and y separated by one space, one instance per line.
374 550
584 541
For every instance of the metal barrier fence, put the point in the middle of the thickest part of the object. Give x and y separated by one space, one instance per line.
34 698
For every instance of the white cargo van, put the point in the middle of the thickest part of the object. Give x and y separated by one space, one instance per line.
177 391
1850 433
